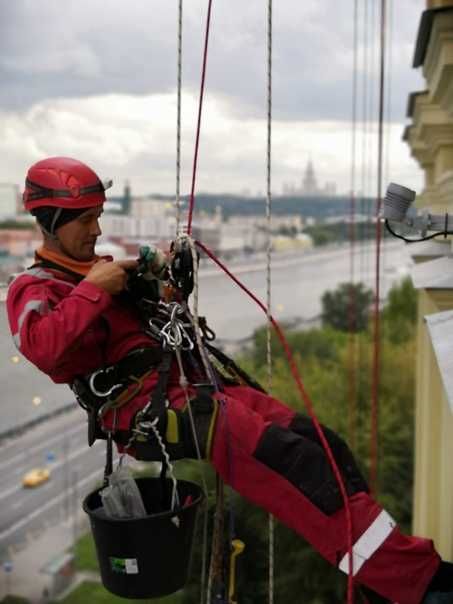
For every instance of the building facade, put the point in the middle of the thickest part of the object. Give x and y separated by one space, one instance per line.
430 138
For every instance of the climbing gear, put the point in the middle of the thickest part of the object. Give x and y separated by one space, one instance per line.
182 267
175 428
64 183
104 381
152 262
94 391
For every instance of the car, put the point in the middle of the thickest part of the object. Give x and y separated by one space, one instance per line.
36 477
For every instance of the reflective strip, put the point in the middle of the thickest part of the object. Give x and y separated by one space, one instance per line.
369 542
40 273
32 305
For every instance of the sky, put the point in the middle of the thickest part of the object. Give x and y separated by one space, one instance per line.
96 80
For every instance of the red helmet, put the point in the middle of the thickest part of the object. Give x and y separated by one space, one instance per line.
63 182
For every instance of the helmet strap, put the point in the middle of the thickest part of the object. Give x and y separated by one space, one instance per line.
54 220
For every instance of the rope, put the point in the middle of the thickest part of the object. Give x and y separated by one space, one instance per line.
196 322
178 123
217 543
363 256
352 310
390 18
279 332
308 404
376 323
174 492
184 385
268 271
200 107
388 131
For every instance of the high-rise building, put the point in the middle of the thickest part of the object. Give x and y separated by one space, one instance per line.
309 182
309 185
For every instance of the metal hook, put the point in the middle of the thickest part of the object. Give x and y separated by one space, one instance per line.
100 393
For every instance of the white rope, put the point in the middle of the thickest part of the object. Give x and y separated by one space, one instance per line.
204 552
174 493
354 120
178 123
268 275
207 367
388 121
195 318
363 269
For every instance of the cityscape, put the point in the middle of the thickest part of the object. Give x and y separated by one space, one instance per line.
231 231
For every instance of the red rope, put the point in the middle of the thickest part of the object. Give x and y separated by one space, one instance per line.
288 352
200 106
309 406
376 332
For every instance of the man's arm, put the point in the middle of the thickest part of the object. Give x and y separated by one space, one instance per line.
47 316
45 331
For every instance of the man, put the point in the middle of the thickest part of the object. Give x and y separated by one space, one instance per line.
75 317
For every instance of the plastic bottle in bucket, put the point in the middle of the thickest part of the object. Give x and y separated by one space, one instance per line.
149 556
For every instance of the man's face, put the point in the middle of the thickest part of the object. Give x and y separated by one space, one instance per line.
77 238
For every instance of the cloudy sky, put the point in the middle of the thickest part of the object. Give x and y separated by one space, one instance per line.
96 80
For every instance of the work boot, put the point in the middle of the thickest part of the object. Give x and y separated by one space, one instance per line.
438 597
440 590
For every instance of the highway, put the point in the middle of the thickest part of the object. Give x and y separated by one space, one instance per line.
75 469
297 284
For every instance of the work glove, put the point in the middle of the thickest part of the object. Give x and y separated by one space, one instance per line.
175 430
153 262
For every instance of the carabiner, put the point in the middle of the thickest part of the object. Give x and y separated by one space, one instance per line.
100 393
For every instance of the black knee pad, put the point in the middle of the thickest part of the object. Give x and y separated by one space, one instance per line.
355 482
303 463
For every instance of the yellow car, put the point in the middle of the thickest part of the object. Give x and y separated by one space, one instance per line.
36 477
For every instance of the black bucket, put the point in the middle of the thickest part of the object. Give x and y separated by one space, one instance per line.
146 557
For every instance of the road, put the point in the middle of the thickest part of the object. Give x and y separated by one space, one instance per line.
298 282
60 445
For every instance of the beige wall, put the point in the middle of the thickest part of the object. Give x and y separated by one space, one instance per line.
430 138
433 487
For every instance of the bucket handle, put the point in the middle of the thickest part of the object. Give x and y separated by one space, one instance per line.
108 458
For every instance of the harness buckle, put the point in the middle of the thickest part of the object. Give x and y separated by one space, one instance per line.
96 391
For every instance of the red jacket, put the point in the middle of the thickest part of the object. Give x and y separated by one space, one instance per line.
69 329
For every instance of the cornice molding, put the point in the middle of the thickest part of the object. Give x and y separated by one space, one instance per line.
424 32
438 52
436 135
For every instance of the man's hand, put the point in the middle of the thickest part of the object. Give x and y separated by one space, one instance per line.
111 276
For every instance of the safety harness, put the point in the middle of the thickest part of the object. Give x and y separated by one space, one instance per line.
113 386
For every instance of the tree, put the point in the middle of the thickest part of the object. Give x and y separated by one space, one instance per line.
400 312
347 307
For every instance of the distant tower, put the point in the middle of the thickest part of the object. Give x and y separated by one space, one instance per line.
309 184
127 198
